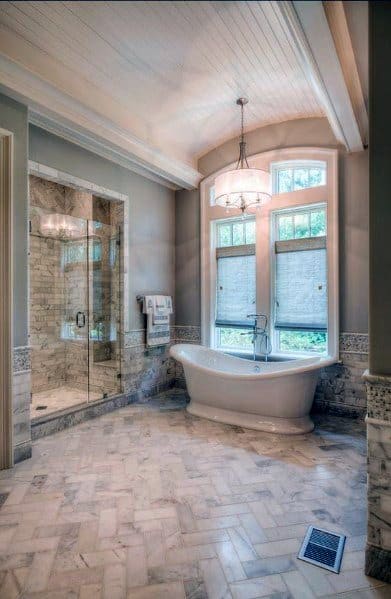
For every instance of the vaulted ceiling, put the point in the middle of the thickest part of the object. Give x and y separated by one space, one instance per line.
156 79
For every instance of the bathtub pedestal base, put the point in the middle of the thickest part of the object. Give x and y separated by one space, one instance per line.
268 424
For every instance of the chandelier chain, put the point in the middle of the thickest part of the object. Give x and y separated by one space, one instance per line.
242 122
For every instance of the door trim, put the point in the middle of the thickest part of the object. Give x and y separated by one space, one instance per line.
6 283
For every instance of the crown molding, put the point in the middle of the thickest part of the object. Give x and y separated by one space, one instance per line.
314 45
96 145
65 117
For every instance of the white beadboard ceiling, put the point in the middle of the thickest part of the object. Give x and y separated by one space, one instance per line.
164 74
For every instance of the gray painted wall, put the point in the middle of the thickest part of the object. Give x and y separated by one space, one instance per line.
353 211
187 258
152 213
354 241
13 118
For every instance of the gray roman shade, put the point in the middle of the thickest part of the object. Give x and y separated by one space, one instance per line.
301 284
236 292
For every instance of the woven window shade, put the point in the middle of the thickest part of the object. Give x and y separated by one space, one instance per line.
301 286
236 291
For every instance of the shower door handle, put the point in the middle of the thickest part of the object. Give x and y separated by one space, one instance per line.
80 320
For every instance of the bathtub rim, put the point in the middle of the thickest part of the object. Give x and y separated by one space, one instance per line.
321 362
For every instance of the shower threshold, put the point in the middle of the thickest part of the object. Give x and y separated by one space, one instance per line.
59 399
44 424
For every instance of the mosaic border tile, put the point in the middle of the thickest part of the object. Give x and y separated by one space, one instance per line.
357 343
134 338
21 357
378 396
186 334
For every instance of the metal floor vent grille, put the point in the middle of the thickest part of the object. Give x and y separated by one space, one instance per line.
323 548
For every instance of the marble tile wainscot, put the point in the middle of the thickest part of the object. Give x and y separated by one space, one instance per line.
21 403
184 334
341 390
378 551
145 373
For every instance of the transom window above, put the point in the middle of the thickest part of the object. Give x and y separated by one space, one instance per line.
294 175
301 223
234 233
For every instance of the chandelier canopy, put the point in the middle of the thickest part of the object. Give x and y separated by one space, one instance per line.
244 187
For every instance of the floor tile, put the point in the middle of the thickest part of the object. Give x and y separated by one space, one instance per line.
149 502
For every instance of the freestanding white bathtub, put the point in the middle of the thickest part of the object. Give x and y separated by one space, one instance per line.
268 396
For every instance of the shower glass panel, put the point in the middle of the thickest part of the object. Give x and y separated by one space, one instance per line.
104 310
74 329
75 311
58 311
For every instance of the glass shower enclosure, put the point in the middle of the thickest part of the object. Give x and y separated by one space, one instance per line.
75 311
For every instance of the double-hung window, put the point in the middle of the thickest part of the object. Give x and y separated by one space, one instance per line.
235 296
300 280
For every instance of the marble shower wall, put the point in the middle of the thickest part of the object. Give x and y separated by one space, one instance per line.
58 290
48 363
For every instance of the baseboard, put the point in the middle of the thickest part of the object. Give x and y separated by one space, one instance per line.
338 409
378 563
22 452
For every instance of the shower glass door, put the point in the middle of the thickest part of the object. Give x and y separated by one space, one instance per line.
104 355
74 330
73 236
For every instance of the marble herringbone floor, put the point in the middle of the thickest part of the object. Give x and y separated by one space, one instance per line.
149 502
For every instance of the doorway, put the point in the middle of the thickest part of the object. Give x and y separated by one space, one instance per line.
75 298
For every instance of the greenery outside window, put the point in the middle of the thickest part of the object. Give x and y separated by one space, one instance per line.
293 176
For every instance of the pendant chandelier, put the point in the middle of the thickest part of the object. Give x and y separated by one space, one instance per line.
59 226
243 188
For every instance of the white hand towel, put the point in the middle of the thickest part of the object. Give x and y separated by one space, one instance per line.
158 309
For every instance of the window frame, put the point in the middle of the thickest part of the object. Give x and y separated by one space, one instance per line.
214 334
308 208
294 164
322 194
